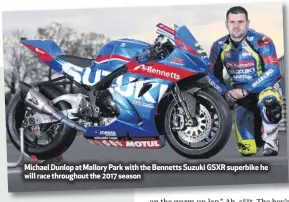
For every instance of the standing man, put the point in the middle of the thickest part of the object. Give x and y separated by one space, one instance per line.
252 64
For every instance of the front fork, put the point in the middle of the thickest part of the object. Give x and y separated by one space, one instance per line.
187 102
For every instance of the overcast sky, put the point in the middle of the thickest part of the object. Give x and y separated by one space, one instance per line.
206 22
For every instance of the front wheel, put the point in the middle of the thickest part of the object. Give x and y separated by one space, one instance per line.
205 137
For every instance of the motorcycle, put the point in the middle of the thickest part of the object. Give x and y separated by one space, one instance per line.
133 95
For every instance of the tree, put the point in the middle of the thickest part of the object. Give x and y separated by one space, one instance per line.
71 42
20 63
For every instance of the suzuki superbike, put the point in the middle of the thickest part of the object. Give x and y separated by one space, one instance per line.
133 95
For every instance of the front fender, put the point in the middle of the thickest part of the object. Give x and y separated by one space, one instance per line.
196 87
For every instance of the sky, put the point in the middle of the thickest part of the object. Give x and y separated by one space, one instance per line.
206 22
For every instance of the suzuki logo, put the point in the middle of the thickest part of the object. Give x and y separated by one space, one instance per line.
127 89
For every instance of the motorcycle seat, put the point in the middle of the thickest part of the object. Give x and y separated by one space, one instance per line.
78 61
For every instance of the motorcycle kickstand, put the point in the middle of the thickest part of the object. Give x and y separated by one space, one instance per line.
23 154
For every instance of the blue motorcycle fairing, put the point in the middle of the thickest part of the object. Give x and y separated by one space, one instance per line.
137 113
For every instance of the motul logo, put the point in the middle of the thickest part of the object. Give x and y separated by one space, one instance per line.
151 70
153 143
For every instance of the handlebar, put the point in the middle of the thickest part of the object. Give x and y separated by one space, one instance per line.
143 54
158 51
150 53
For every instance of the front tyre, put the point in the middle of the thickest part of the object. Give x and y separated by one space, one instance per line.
208 135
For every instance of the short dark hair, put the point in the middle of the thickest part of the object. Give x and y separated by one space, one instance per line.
236 10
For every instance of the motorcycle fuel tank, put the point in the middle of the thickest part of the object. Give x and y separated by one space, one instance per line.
118 52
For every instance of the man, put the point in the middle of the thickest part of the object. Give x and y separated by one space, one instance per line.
252 65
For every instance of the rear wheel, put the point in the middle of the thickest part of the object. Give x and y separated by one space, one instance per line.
208 134
45 141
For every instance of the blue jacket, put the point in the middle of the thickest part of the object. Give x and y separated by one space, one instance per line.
252 65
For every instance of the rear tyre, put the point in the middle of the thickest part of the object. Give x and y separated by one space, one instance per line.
58 137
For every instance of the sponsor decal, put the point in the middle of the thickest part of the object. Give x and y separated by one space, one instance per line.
107 133
270 133
148 105
271 60
227 54
39 51
215 85
242 71
42 54
263 41
143 144
151 144
167 29
32 99
263 77
241 64
177 61
246 54
155 71
137 102
163 32
242 77
83 75
105 138
251 38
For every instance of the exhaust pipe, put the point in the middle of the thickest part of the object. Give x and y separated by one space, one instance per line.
37 101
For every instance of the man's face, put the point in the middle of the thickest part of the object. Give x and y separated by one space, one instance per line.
237 25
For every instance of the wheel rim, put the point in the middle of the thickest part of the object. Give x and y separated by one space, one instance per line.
36 141
208 124
41 134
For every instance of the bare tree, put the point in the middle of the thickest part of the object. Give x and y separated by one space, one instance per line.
19 60
21 64
71 42
90 43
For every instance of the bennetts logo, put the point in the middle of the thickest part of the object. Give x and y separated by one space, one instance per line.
152 70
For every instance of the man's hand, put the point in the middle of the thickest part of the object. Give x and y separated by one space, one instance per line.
236 94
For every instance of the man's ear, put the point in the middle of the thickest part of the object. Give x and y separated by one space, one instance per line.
248 23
